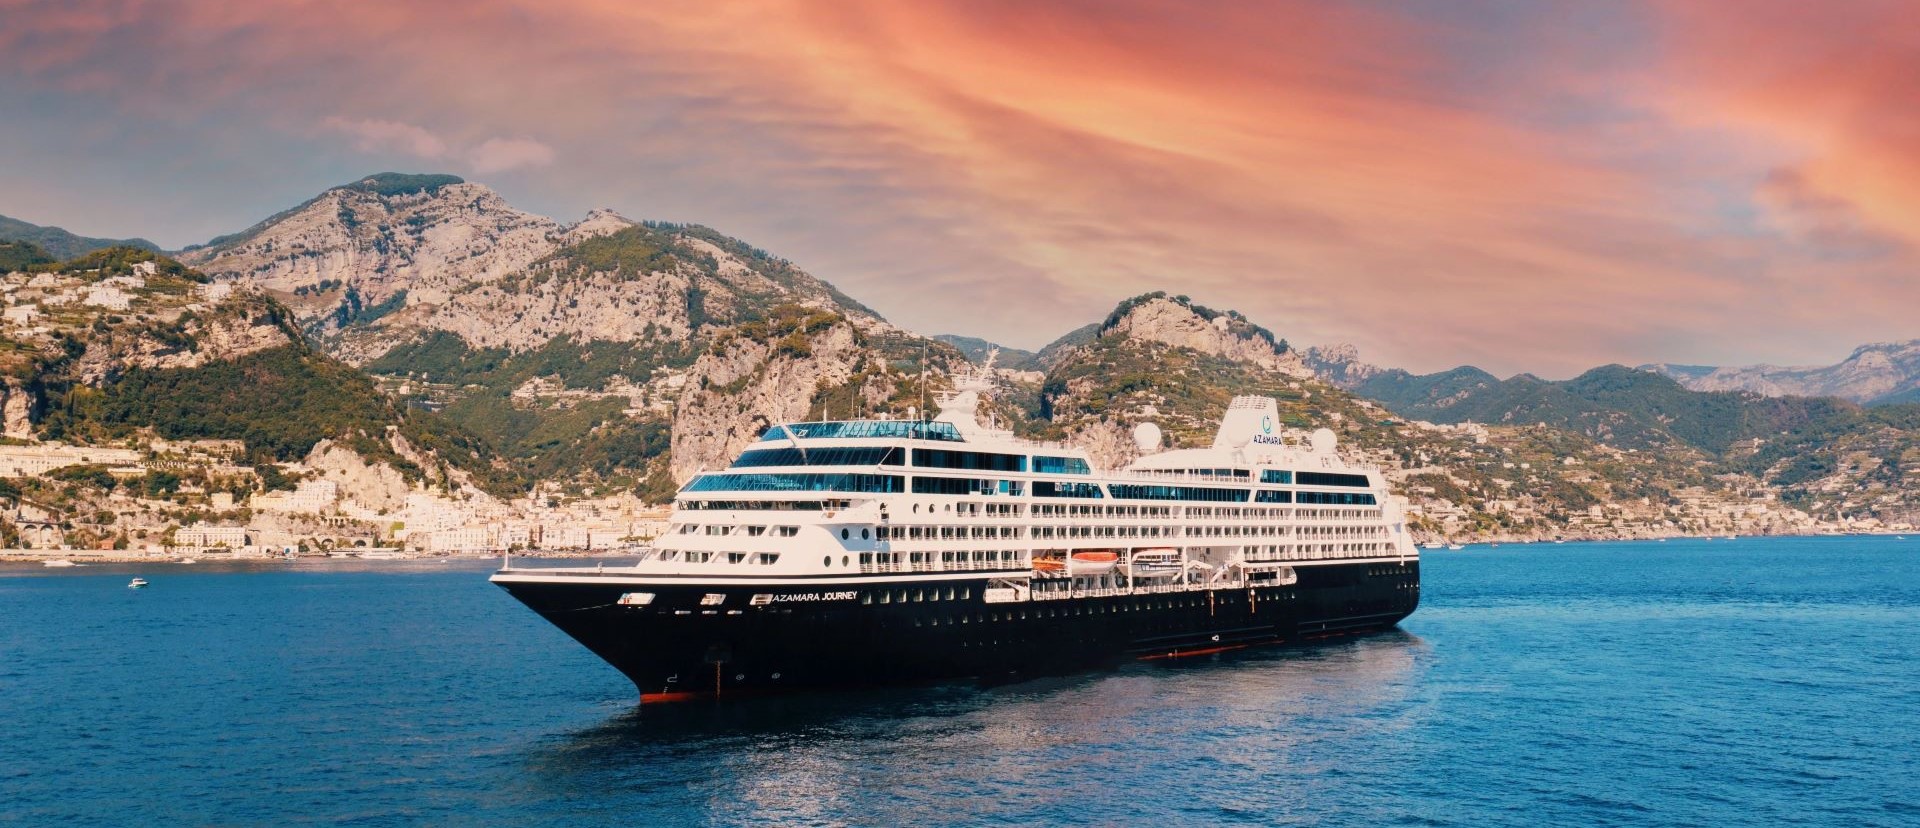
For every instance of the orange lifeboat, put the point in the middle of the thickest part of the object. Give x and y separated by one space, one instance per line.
1092 561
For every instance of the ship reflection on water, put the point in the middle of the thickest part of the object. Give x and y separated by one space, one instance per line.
906 751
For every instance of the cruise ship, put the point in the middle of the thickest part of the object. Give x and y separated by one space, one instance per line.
886 551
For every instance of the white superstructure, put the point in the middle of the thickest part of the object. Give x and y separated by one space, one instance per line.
948 498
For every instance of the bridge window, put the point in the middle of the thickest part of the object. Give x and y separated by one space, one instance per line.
870 483
1060 465
1281 476
971 460
1307 478
1050 488
858 456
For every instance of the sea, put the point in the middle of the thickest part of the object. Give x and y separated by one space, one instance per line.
1768 681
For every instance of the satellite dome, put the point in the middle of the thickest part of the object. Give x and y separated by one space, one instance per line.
1147 437
1324 441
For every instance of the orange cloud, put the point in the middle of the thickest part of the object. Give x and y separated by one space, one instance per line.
1556 188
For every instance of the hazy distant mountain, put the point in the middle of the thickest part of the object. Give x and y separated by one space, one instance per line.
1339 365
61 244
1876 374
977 349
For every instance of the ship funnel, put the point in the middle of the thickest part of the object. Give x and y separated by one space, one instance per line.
1249 420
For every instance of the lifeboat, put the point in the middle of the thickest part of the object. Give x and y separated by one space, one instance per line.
1049 565
1092 561
1154 563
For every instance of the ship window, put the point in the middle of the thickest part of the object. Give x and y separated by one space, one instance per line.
787 531
865 534
756 531
767 558
919 596
1307 478
773 482
843 534
1276 476
951 486
736 557
827 561
911 429
1060 465
972 460
845 561
861 456
1049 488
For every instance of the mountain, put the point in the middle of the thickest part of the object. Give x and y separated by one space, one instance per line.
1339 365
425 325
977 349
1876 374
122 345
1614 404
59 243
1163 360
607 352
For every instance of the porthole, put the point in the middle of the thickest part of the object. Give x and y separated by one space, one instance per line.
844 534
827 561
844 560
865 533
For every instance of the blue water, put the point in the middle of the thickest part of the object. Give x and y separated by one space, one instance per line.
1763 682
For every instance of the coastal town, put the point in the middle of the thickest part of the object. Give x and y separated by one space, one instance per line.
157 499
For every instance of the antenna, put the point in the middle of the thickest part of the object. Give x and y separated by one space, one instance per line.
925 347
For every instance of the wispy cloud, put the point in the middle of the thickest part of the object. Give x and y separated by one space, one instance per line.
502 154
375 136
1551 187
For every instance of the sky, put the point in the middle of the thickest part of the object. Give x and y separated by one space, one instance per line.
1538 186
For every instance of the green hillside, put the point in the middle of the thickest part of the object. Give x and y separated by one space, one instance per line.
59 243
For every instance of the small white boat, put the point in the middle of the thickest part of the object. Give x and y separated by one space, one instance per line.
188 560
59 562
1456 546
1433 545
1154 563
137 583
1559 541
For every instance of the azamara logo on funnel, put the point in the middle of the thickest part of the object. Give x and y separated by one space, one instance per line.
1265 437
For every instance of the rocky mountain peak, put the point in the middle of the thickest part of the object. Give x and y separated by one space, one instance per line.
1339 365
1875 373
426 236
1176 321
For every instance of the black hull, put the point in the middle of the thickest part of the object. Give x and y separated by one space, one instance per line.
840 634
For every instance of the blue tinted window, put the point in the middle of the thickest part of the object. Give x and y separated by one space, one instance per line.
1276 476
1308 478
977 460
1060 465
1335 498
1201 494
862 456
951 486
880 483
1049 488
901 429
1273 497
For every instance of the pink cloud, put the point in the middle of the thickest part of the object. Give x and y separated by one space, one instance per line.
502 154
378 136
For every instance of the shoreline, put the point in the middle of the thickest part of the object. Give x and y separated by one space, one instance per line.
88 557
